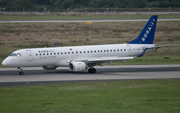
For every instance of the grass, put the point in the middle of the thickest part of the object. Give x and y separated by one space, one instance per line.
142 96
57 16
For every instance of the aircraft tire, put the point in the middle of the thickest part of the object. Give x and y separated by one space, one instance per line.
92 70
21 73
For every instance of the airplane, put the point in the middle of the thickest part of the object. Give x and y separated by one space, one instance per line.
80 58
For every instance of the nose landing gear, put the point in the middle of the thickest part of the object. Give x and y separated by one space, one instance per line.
21 70
21 73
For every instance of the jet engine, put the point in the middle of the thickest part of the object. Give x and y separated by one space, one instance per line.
77 66
49 67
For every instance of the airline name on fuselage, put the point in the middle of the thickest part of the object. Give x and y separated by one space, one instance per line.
148 30
46 51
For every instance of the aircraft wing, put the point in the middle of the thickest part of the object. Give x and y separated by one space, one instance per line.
103 59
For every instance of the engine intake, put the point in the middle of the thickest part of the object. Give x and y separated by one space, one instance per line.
77 66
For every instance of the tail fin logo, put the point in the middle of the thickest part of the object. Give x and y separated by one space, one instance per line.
148 30
147 34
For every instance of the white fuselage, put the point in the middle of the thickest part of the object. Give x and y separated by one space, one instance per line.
58 56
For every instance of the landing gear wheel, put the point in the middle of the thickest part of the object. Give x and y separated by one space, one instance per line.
21 70
89 70
21 73
92 70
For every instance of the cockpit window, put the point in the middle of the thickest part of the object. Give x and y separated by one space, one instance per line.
18 54
15 55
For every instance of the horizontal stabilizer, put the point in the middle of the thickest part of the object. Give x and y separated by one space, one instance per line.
158 46
146 48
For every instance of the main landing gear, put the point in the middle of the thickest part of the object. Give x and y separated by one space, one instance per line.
21 70
92 70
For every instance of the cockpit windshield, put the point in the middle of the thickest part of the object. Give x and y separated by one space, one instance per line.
15 55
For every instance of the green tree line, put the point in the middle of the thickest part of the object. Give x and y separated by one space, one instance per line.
64 4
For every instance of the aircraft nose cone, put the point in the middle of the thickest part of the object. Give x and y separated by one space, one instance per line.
6 62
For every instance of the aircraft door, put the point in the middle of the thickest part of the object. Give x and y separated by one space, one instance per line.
30 55
129 50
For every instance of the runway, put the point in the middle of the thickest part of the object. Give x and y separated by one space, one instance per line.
93 20
36 76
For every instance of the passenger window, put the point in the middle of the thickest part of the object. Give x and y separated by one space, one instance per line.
124 49
111 50
114 50
94 51
117 49
61 52
104 50
84 51
72 52
107 50
101 50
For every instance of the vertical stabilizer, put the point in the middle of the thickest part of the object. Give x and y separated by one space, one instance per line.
147 34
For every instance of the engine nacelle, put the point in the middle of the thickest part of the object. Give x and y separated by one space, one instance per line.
49 67
77 66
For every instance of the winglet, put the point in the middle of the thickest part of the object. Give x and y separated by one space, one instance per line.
56 44
147 34
143 53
